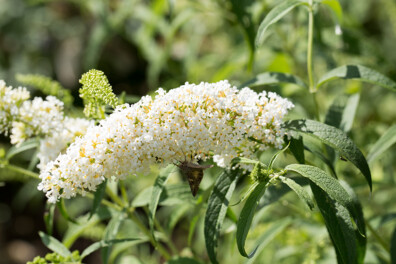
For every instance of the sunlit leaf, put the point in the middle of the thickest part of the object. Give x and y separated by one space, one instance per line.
358 72
299 190
382 144
268 78
334 138
342 112
54 244
335 7
275 15
28 144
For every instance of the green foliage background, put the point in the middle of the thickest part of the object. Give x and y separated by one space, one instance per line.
142 45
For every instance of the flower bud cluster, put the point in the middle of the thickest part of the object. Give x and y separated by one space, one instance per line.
189 123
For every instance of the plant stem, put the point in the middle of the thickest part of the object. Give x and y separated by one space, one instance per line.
22 171
114 197
144 229
137 221
312 87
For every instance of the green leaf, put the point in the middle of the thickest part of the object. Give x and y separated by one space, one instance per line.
393 247
54 244
271 163
63 211
217 208
110 233
335 7
247 161
276 228
334 138
183 260
384 143
177 214
361 237
28 144
358 72
75 230
339 226
268 78
49 218
342 112
274 16
105 243
99 194
246 217
156 193
332 188
244 18
300 191
297 148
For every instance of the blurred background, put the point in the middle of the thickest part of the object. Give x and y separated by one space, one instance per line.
142 45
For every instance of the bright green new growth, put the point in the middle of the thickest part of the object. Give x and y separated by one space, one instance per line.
56 258
96 93
47 86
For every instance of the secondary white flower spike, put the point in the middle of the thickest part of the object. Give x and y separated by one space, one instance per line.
189 123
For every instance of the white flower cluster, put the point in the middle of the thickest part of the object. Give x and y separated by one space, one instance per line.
10 101
189 123
25 118
51 146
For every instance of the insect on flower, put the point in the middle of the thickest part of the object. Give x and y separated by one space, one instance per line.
194 174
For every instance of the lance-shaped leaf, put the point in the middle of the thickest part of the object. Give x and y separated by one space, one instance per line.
105 243
54 244
339 226
156 193
110 233
384 143
358 72
98 197
393 247
335 7
268 78
246 217
299 190
332 188
297 148
218 203
274 16
342 112
334 138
